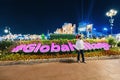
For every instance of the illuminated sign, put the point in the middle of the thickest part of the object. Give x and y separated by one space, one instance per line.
82 29
89 27
57 48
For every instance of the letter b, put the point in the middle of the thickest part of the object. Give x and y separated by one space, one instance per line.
55 48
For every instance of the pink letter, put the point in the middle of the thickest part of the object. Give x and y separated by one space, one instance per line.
55 48
64 48
71 46
29 48
37 48
88 45
44 48
106 46
18 48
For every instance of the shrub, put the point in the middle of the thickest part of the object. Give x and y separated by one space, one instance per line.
5 45
22 56
62 36
118 44
111 41
43 36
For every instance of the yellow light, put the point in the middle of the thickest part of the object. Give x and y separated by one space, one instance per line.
111 13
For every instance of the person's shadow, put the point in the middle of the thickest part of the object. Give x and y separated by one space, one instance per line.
67 61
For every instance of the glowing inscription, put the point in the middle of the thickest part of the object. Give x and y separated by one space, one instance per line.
57 48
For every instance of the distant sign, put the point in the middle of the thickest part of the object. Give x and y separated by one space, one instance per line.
81 29
118 37
89 27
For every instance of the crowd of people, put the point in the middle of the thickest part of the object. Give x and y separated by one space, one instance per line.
22 37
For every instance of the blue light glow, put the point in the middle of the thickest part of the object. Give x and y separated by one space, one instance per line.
94 29
105 29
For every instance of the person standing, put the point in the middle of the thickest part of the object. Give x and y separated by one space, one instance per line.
80 48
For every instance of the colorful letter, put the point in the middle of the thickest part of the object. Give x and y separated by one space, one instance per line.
37 48
64 48
29 48
18 48
44 48
71 46
55 48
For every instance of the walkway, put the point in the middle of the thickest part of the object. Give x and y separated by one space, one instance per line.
92 70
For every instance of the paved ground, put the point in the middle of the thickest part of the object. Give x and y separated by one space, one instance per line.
92 70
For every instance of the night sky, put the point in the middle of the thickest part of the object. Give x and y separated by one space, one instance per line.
39 16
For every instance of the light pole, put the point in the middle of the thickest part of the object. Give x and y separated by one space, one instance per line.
105 30
110 14
7 30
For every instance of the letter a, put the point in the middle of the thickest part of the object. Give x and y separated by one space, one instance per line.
64 48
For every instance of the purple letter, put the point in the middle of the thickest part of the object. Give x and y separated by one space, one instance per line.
106 46
71 46
37 48
18 48
29 48
64 48
55 48
44 48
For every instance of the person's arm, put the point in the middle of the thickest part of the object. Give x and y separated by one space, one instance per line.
83 44
76 46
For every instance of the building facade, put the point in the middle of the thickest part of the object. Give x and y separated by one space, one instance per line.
67 28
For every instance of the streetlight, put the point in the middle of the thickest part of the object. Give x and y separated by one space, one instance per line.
7 30
110 14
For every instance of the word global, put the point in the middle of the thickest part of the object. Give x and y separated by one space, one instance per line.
57 48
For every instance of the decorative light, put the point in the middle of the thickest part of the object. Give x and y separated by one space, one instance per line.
110 14
105 29
94 29
6 31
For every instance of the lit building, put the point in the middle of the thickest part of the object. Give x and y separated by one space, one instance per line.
85 29
67 28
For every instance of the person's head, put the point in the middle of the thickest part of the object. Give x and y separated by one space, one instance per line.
79 37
